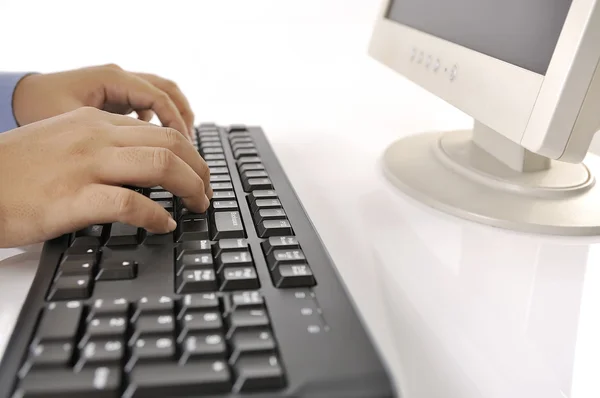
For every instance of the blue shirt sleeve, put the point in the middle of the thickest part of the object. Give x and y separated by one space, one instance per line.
8 82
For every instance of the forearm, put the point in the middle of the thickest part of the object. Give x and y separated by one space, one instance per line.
8 83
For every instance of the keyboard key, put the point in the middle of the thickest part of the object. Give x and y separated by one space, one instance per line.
151 349
265 204
261 194
77 265
210 151
213 156
158 239
90 249
269 214
165 204
228 224
248 160
238 278
161 195
252 341
210 138
244 144
241 300
280 242
244 152
210 144
254 174
235 259
112 327
223 195
218 170
101 382
261 372
240 140
104 352
203 345
199 322
221 186
191 262
192 247
229 245
206 301
187 214
150 325
257 183
218 205
84 241
92 233
197 281
216 163
237 130
193 229
246 318
50 355
270 228
115 307
251 166
192 379
285 256
117 269
122 234
293 275
153 305
71 288
220 178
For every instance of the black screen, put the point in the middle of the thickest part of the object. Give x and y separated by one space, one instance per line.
521 32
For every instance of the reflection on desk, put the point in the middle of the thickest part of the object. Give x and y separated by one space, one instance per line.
482 312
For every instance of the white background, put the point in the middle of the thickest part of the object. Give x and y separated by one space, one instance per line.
300 69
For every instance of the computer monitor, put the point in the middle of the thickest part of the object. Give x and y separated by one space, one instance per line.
527 72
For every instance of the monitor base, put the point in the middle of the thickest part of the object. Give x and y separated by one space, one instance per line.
449 172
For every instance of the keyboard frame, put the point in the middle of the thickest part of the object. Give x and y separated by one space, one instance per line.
339 362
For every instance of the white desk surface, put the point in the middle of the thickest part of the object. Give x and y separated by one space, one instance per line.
456 309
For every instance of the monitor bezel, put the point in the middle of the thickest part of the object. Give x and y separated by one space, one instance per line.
531 109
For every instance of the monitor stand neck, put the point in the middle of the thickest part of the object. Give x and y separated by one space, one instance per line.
508 152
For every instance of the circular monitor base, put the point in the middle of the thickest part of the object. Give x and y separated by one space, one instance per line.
448 172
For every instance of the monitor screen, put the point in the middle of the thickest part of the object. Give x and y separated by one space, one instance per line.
521 32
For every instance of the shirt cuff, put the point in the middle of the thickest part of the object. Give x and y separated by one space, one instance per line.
8 83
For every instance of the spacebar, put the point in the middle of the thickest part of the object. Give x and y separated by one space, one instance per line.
161 380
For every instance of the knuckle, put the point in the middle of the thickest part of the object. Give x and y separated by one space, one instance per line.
112 66
171 85
172 137
162 160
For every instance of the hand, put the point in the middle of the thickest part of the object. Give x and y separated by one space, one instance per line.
67 172
109 88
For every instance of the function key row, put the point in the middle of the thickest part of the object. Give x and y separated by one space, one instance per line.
213 344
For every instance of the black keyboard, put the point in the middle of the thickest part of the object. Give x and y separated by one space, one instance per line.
241 301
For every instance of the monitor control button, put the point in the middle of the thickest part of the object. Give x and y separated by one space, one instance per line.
453 73
436 65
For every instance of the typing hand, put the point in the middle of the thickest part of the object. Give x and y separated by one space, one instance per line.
64 173
108 88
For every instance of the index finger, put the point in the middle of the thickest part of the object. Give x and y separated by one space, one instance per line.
154 136
176 95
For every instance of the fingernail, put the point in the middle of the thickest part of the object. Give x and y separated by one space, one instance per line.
171 225
207 201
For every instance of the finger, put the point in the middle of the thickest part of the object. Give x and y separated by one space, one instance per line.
103 204
164 137
127 89
145 114
151 166
176 95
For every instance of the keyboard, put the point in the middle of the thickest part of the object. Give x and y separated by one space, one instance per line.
240 301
